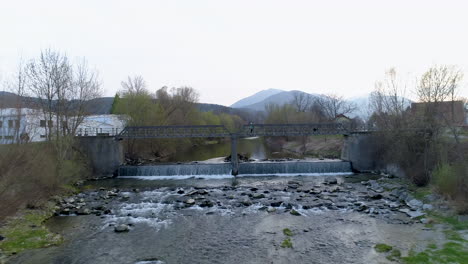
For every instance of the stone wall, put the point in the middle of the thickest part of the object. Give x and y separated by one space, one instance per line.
105 154
361 149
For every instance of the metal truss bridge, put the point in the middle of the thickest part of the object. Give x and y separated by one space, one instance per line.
215 131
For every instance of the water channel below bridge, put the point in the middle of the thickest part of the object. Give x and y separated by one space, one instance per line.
263 159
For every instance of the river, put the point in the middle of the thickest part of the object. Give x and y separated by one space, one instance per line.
255 147
331 219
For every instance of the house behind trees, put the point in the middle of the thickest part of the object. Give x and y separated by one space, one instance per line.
448 112
21 125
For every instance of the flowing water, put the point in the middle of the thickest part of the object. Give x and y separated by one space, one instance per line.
231 220
199 213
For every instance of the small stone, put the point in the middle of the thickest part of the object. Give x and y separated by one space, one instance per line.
70 200
111 193
276 204
180 191
99 207
294 212
253 189
206 203
202 192
414 203
258 196
412 214
2 237
122 228
331 181
83 211
271 209
246 202
294 182
427 207
314 191
190 201
375 196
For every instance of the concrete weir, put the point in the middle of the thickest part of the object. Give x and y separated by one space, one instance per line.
251 168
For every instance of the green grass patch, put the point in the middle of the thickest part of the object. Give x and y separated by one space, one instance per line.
287 232
432 246
287 243
381 248
421 192
28 232
450 220
454 235
394 255
451 253
70 188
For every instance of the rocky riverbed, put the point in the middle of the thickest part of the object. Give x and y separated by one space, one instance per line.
330 219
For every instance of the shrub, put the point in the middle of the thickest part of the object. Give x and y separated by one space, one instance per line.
29 174
451 180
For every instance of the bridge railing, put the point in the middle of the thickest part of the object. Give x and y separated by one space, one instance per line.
98 131
174 131
293 129
208 131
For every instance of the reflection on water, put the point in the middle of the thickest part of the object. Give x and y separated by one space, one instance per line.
256 147
126 183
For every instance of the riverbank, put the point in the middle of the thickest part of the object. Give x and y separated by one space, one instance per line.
246 220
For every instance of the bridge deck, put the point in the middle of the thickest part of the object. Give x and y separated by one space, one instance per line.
212 131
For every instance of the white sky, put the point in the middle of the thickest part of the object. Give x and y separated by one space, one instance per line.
228 50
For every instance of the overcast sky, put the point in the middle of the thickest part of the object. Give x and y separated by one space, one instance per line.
228 50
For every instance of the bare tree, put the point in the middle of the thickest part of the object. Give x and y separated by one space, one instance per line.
333 105
302 101
62 91
387 102
17 86
49 79
134 85
85 87
439 83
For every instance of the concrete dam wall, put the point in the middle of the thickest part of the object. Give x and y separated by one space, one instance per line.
254 168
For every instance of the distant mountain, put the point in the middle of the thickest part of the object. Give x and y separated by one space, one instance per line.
363 110
103 105
281 98
245 114
99 106
256 98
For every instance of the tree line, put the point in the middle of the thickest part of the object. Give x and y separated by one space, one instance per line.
426 139
164 107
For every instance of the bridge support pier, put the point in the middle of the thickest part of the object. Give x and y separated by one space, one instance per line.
234 160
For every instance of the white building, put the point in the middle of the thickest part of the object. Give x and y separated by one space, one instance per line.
29 125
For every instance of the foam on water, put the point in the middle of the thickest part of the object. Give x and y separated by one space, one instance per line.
150 262
226 176
178 177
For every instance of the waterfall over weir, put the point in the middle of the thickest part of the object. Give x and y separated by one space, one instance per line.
251 168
